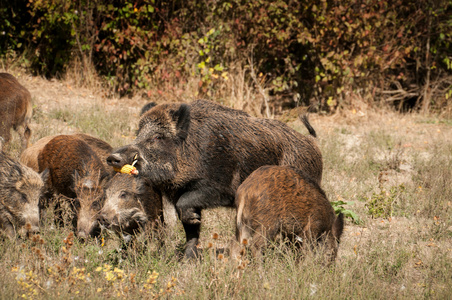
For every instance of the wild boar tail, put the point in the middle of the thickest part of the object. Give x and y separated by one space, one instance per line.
304 119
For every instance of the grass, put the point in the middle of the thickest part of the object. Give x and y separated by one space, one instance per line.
405 252
95 120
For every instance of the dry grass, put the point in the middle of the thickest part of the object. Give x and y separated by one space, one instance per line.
407 254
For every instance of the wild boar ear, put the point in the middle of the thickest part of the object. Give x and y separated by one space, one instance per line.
142 185
16 172
19 185
45 175
105 179
182 119
76 177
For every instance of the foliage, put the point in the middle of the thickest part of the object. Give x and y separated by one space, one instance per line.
13 16
326 53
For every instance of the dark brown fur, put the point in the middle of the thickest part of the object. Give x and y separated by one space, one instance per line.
29 156
100 147
278 200
131 204
15 109
147 107
199 154
76 172
20 190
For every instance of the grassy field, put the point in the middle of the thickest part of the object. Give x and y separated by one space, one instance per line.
394 171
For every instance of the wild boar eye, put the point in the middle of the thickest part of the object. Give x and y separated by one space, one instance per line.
158 137
123 195
23 198
95 205
76 204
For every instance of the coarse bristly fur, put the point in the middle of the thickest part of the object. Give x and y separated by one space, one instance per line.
282 201
131 204
15 109
20 190
29 156
77 173
198 154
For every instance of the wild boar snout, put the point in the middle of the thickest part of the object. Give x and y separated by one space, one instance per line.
121 156
115 160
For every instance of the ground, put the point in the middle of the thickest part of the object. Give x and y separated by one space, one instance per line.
393 170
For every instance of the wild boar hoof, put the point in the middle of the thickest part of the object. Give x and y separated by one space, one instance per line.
194 221
191 218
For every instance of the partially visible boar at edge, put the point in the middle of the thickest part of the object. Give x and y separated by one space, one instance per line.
15 109
198 154
20 190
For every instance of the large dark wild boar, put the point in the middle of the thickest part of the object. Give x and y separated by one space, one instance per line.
20 190
280 201
198 154
15 109
77 173
29 156
131 204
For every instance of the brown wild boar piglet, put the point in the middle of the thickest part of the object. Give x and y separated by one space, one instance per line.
77 173
281 201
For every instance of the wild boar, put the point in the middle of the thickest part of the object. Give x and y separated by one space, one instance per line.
20 190
198 154
29 156
282 201
131 204
76 172
15 109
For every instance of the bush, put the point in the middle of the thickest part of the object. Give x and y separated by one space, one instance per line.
328 54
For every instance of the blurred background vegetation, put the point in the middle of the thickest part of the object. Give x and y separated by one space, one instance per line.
329 54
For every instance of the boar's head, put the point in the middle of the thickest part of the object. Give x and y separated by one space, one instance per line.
131 204
20 191
157 147
89 190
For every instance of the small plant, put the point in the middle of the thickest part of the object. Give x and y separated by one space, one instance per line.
381 205
339 208
27 281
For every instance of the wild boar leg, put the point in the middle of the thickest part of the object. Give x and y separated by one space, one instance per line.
192 232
